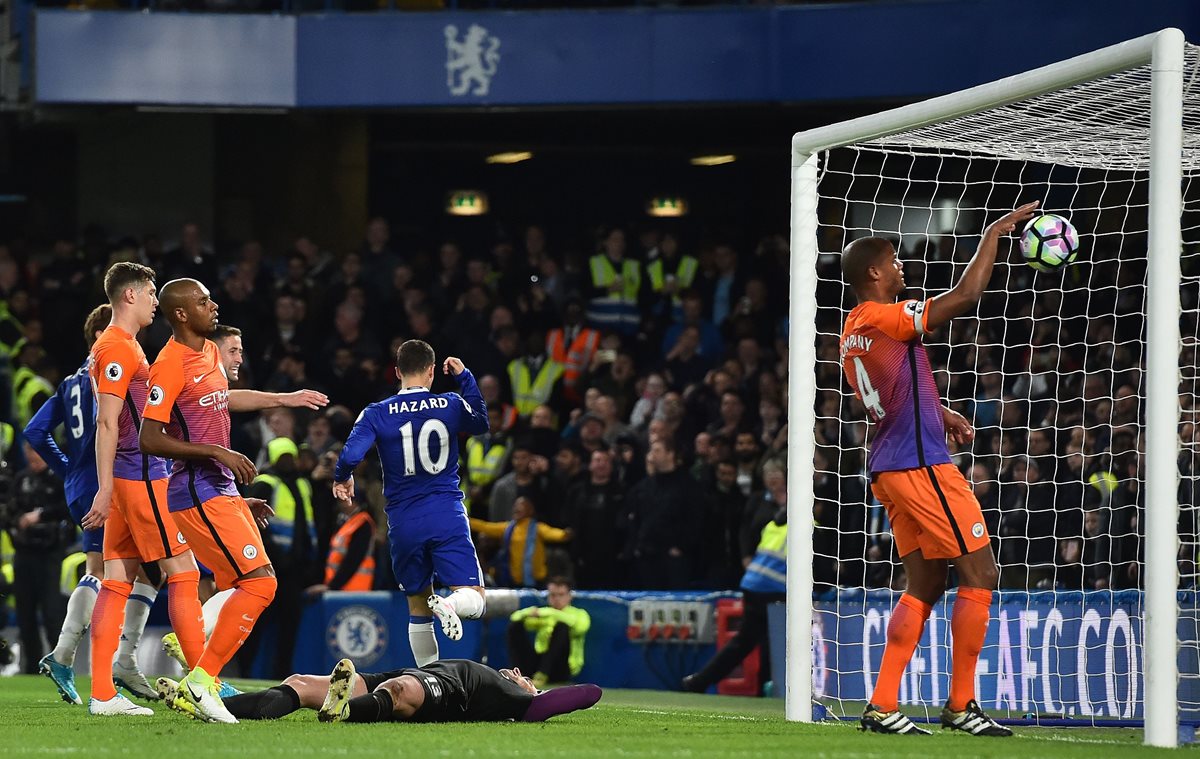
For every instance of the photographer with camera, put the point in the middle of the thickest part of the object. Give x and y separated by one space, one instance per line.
38 522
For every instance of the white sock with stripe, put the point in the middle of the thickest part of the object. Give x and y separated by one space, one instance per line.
137 611
78 619
212 609
420 638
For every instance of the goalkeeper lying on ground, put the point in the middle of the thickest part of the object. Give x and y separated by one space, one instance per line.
451 690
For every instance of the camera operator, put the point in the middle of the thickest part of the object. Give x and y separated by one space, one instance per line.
37 519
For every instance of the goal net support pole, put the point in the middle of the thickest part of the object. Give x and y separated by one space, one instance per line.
1162 385
1164 50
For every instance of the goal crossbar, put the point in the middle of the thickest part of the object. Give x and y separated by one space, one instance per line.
1055 76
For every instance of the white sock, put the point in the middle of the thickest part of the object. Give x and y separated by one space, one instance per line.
212 609
420 637
137 611
79 617
467 603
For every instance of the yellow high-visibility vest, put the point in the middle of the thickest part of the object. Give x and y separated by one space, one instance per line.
283 523
531 392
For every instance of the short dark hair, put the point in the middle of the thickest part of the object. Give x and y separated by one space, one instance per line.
561 580
223 331
861 255
96 321
125 274
414 357
667 442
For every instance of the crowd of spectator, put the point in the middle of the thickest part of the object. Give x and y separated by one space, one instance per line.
636 392
637 396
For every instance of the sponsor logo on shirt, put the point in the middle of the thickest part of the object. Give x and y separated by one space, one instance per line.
218 398
113 371
156 396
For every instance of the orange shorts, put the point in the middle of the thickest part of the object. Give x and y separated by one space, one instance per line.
139 525
932 508
222 533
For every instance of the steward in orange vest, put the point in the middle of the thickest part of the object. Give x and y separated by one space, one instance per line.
573 346
351 563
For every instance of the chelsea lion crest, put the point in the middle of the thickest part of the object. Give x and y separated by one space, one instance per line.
358 633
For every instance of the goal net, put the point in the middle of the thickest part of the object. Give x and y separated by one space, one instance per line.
1051 369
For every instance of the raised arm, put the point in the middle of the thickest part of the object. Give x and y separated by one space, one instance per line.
256 400
474 418
966 293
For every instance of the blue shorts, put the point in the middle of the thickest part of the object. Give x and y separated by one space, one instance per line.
93 540
432 547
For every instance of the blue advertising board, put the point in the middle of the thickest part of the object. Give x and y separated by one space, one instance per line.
372 629
1072 654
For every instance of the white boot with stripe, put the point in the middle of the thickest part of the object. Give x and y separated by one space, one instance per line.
973 720
892 722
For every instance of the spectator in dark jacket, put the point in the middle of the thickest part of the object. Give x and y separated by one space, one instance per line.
665 512
593 510
40 534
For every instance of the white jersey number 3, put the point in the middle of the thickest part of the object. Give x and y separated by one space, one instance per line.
870 396
429 428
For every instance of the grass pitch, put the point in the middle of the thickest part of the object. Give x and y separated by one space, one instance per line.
625 723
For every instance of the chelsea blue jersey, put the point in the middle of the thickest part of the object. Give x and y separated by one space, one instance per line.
74 407
416 432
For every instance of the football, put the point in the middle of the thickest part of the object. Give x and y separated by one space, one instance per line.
1049 242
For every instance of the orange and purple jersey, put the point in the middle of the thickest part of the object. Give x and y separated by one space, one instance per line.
119 368
189 393
888 369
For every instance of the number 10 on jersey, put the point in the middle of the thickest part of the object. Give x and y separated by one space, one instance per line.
429 428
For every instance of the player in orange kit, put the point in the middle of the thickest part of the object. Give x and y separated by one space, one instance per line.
935 517
186 418
131 500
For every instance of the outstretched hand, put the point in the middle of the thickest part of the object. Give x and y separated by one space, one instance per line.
1009 221
310 399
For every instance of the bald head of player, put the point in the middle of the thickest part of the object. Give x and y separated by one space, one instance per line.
190 309
415 360
873 270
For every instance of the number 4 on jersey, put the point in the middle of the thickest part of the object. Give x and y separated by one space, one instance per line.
870 396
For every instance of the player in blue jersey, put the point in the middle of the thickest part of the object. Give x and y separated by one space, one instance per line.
416 432
73 407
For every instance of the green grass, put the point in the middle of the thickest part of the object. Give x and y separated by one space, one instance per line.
625 723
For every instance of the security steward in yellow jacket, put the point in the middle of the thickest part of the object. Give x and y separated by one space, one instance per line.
291 542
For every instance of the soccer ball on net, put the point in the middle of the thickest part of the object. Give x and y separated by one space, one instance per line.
1049 242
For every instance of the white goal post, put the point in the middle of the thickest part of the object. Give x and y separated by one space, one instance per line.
1164 53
